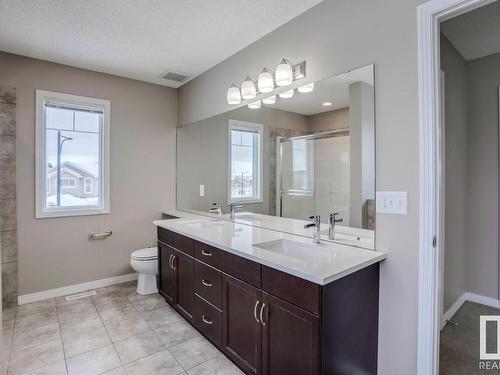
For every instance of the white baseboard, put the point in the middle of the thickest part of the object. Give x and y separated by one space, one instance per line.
72 289
471 297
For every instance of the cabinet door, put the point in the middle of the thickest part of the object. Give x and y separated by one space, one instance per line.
166 272
290 339
184 283
241 330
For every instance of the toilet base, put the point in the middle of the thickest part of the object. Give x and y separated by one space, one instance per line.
146 284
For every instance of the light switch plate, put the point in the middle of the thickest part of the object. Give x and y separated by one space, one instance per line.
392 202
202 190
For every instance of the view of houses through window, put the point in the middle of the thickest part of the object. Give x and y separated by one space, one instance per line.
72 156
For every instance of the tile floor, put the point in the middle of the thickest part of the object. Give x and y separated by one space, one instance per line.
115 332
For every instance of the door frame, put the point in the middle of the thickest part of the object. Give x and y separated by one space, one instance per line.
429 16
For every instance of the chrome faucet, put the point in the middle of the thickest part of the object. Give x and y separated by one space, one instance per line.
216 209
332 220
234 206
316 223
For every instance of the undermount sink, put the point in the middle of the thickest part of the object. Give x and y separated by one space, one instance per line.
350 239
288 247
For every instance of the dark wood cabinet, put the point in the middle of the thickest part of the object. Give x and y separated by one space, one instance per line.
166 272
290 339
241 329
183 283
268 321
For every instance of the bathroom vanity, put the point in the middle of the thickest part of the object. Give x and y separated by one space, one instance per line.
272 302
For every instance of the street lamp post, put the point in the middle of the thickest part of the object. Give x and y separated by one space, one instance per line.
60 141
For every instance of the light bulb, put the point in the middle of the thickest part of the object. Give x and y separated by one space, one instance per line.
248 90
265 82
306 88
269 100
284 73
254 105
327 104
286 94
233 95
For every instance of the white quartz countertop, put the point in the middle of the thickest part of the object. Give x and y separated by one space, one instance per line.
320 264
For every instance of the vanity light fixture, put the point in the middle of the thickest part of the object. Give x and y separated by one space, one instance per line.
269 100
327 104
284 73
286 94
254 105
248 89
306 88
265 82
233 94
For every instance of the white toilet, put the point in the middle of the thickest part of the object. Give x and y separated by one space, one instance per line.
145 262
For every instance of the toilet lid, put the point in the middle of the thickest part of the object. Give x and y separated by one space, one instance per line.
148 253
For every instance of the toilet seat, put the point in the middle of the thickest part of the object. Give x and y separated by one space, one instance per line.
149 253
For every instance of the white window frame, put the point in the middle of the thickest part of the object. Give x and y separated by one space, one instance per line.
70 186
85 185
42 97
245 126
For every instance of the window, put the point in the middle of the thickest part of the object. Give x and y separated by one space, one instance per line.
245 162
68 182
88 186
72 137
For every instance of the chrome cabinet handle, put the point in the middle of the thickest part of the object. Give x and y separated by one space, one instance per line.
206 320
170 261
255 311
174 257
206 282
206 253
261 312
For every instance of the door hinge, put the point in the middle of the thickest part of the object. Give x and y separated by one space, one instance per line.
434 242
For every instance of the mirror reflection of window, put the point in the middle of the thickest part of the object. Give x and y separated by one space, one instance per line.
245 162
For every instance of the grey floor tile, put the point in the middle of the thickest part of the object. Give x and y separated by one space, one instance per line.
113 301
119 330
116 371
161 317
39 306
58 368
161 363
85 341
139 346
28 337
123 312
77 326
24 361
148 303
76 309
26 319
175 333
94 362
219 365
193 352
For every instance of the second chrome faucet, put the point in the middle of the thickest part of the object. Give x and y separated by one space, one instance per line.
316 223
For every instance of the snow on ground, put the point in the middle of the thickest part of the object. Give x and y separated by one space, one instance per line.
71 200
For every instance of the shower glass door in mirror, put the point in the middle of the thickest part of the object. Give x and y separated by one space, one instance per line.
311 154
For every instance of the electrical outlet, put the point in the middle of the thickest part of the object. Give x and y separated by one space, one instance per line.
392 202
202 190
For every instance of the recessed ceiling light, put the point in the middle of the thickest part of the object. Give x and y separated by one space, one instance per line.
327 104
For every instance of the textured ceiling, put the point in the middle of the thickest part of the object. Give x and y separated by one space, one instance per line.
140 39
477 33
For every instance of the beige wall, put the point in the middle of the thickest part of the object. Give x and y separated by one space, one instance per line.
338 119
456 112
482 188
55 252
336 36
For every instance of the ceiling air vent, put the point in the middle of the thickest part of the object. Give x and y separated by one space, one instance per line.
174 76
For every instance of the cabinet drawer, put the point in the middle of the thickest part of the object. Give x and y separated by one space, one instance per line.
293 289
208 320
208 283
183 243
165 236
231 264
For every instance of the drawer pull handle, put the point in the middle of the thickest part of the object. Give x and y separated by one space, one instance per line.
174 257
206 320
170 261
206 253
255 311
261 312
206 283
